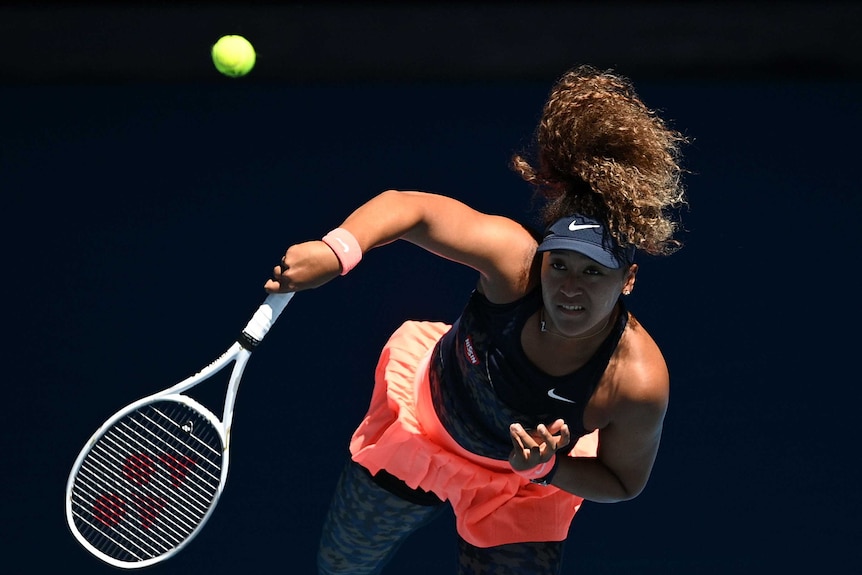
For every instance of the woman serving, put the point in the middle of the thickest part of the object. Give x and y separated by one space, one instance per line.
546 391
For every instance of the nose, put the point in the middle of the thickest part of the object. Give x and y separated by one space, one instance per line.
570 287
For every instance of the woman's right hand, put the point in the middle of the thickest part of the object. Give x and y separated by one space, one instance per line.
304 266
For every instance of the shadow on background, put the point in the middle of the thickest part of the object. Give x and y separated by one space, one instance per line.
142 218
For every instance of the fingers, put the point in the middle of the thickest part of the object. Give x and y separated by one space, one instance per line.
565 436
543 439
555 427
524 442
525 452
279 278
304 266
520 437
530 451
545 434
280 271
559 433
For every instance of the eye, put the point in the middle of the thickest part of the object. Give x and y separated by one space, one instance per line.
559 266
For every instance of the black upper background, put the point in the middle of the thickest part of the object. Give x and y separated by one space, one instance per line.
146 199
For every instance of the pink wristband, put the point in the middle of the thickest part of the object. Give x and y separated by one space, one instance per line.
346 248
538 471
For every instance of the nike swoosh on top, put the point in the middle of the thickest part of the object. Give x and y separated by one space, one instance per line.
552 393
573 227
343 245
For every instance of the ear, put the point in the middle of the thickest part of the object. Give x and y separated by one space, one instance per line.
629 282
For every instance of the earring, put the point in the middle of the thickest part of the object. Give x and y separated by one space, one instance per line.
627 292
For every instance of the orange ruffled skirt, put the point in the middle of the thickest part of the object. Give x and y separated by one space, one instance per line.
402 434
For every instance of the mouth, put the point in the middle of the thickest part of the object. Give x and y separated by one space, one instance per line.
572 307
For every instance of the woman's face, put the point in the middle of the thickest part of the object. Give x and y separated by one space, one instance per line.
579 293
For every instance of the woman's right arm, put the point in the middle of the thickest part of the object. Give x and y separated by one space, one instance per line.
500 249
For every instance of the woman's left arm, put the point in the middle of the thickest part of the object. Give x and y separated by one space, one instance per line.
628 444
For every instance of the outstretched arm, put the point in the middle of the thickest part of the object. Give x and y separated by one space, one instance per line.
498 248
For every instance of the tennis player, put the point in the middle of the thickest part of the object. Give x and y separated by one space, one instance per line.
546 391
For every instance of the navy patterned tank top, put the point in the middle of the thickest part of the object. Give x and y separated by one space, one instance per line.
482 381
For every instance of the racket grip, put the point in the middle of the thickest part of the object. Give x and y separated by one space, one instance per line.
266 315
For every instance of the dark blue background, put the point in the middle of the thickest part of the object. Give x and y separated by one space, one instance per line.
142 218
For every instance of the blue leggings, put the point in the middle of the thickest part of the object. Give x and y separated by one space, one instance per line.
370 517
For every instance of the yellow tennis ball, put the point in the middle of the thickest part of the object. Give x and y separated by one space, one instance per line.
233 56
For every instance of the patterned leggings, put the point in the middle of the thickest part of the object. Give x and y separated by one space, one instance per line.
370 517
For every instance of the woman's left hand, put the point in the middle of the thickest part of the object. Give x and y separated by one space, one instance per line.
536 446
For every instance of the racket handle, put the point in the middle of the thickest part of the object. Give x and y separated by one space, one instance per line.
265 316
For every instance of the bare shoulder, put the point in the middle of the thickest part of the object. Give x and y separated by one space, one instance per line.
633 393
643 381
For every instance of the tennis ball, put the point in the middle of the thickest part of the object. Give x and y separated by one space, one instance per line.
233 56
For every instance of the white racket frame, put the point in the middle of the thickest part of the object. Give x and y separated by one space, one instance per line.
256 330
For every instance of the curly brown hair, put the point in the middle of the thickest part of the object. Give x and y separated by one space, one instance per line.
601 152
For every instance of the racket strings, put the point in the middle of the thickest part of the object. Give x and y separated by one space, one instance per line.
148 481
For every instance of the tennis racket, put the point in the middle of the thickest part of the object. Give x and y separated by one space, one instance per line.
149 478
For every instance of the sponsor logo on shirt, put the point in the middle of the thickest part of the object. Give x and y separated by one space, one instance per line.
470 352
